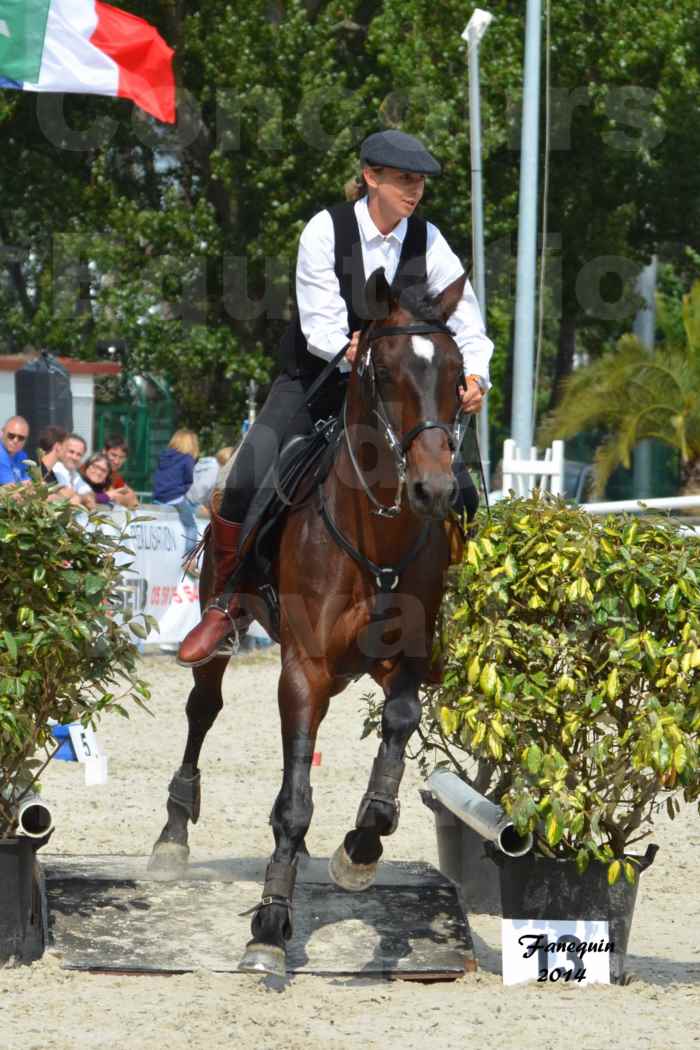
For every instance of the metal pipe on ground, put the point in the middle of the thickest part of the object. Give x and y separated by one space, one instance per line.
34 817
478 813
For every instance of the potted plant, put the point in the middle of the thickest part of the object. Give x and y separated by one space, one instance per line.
63 657
572 687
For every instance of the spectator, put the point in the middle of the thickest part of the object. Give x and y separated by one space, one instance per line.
66 469
97 473
206 472
172 480
13 465
51 439
116 451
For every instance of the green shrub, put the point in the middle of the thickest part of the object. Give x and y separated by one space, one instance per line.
62 655
572 649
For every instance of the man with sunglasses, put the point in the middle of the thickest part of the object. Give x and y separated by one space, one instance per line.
13 466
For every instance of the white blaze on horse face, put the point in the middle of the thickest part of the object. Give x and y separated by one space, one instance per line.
422 347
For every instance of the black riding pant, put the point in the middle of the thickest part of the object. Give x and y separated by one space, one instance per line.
285 415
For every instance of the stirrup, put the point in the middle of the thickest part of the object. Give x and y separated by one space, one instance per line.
231 644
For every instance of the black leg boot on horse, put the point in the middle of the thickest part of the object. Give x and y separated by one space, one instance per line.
170 854
354 864
223 615
303 703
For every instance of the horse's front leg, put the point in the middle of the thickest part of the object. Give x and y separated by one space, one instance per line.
354 864
171 852
303 703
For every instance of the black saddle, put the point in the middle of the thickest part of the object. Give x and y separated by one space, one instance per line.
302 465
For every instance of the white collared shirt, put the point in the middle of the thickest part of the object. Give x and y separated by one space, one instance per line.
322 311
64 476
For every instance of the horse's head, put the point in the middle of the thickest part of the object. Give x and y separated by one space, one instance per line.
413 367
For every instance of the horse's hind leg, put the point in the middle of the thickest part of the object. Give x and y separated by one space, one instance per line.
302 708
170 852
354 864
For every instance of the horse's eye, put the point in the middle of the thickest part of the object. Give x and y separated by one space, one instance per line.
382 373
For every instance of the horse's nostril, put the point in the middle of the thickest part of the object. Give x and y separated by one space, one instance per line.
420 492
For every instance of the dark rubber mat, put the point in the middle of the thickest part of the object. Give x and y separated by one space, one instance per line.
106 913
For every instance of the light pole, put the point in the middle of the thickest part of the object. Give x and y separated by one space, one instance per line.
645 330
473 34
523 351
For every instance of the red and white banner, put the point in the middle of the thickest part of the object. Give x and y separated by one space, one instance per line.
154 583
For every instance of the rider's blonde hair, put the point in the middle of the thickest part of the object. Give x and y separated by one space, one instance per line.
356 187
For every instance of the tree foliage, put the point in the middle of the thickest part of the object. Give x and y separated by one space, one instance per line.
179 243
633 395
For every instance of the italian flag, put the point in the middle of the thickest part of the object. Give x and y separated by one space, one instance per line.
87 47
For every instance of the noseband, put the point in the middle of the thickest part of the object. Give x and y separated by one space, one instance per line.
398 446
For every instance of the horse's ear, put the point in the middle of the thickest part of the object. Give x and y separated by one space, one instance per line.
449 298
378 296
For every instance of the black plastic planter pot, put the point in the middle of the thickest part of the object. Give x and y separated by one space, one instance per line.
462 858
535 887
21 906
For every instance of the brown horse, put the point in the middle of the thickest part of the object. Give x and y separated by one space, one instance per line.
360 580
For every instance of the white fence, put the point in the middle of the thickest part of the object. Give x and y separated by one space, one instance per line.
522 474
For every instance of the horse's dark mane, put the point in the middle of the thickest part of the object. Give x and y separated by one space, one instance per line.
417 302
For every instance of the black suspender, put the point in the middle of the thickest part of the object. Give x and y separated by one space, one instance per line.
296 359
349 268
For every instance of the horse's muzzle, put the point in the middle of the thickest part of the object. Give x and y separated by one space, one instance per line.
432 496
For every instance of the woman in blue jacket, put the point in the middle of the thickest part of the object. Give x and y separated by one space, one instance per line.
172 479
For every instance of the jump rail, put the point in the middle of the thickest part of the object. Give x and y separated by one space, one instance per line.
641 506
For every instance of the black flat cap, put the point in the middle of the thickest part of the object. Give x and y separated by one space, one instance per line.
396 149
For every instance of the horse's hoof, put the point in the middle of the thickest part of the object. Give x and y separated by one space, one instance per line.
349 876
168 861
264 958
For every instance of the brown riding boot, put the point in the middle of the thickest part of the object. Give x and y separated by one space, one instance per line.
219 618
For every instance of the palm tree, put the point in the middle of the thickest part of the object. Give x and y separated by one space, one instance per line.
634 394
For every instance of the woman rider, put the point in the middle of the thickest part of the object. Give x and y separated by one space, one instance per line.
339 249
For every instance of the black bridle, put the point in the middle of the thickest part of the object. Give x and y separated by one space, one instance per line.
387 576
398 446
